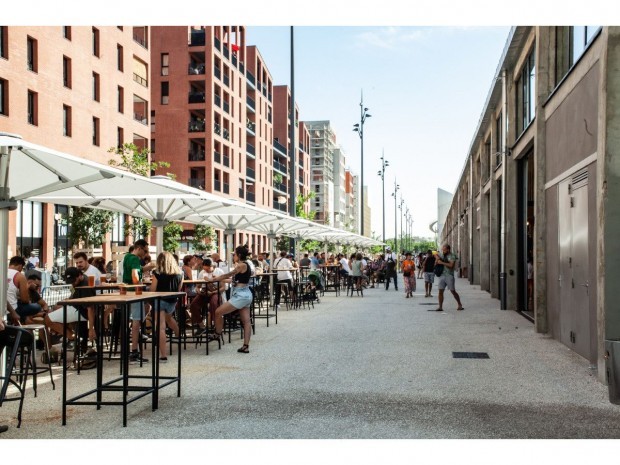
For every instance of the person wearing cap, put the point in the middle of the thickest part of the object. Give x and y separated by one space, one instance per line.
54 319
390 269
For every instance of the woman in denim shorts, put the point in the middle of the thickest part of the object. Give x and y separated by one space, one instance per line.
167 277
240 297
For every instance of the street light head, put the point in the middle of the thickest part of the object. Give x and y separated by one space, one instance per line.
380 173
356 125
365 109
368 115
387 163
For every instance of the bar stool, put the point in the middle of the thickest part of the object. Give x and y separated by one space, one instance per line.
34 329
283 286
15 340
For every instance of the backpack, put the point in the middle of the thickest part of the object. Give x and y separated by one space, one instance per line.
438 269
391 264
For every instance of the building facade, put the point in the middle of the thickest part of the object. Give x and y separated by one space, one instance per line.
76 89
534 214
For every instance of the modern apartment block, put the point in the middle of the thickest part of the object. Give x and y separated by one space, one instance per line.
212 114
351 207
340 205
534 214
79 90
322 147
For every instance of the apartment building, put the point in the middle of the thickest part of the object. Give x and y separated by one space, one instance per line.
322 147
533 216
340 205
79 90
351 207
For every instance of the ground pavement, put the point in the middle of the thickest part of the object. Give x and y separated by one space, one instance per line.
380 366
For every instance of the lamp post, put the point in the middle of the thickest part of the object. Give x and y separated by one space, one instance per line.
394 194
407 228
381 172
400 207
359 128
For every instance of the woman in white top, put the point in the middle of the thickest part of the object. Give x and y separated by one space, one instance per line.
282 265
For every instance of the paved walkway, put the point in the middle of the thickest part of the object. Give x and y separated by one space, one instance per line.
374 367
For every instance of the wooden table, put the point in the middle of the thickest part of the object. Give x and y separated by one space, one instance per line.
124 301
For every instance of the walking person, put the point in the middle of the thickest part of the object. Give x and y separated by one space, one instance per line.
390 268
448 260
428 265
240 298
357 272
167 277
420 260
409 275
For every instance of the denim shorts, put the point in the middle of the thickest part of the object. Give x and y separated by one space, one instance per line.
137 312
168 307
240 297
446 280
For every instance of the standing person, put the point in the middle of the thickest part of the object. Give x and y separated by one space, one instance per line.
33 261
390 268
428 265
448 260
132 270
409 275
166 277
357 271
314 261
420 262
282 265
305 261
241 297
81 263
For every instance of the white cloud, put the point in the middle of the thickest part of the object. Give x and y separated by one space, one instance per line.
391 37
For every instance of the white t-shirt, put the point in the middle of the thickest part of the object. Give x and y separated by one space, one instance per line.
12 291
283 263
215 273
94 271
345 264
34 261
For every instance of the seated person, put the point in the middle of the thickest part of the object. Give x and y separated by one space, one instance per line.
54 319
20 307
213 295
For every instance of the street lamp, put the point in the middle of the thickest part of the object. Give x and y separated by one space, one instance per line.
394 194
407 228
359 128
400 207
381 172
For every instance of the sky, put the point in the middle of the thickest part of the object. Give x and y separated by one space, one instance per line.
425 88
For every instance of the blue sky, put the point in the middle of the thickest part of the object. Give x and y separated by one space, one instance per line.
425 88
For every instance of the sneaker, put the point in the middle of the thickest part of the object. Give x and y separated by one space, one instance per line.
134 357
163 359
144 338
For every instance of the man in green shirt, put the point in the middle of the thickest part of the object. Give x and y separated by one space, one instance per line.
131 262
448 260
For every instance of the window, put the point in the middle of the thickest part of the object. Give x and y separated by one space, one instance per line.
152 145
95 41
4 97
118 230
121 99
570 43
32 107
120 137
31 51
4 42
29 227
499 131
66 32
95 131
66 121
164 64
96 95
526 87
140 72
66 72
119 57
165 89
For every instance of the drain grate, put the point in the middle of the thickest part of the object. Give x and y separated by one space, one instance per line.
428 303
470 355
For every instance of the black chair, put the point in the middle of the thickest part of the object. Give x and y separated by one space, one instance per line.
17 341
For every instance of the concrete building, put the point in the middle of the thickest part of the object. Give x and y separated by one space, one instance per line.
366 231
535 213
351 207
79 90
340 189
322 147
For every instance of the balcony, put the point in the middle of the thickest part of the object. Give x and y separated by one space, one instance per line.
225 51
217 129
141 40
241 67
196 126
301 179
251 103
196 155
250 173
140 80
234 60
197 38
218 100
226 188
226 160
217 157
226 134
226 80
217 72
279 187
249 148
226 107
195 68
251 126
279 166
141 118
283 207
217 43
264 90
301 162
279 147
217 185
269 96
251 78
198 183
196 97
250 197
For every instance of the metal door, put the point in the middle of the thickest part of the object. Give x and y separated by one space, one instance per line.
565 274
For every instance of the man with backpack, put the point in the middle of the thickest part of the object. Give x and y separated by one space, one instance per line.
428 265
448 261
390 269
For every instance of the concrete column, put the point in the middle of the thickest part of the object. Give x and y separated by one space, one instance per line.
484 272
608 201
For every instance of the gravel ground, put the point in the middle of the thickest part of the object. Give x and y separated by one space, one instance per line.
375 367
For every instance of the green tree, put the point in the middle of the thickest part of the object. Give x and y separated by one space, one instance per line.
201 233
135 160
172 236
89 226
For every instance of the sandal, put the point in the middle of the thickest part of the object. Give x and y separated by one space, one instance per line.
215 336
245 349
